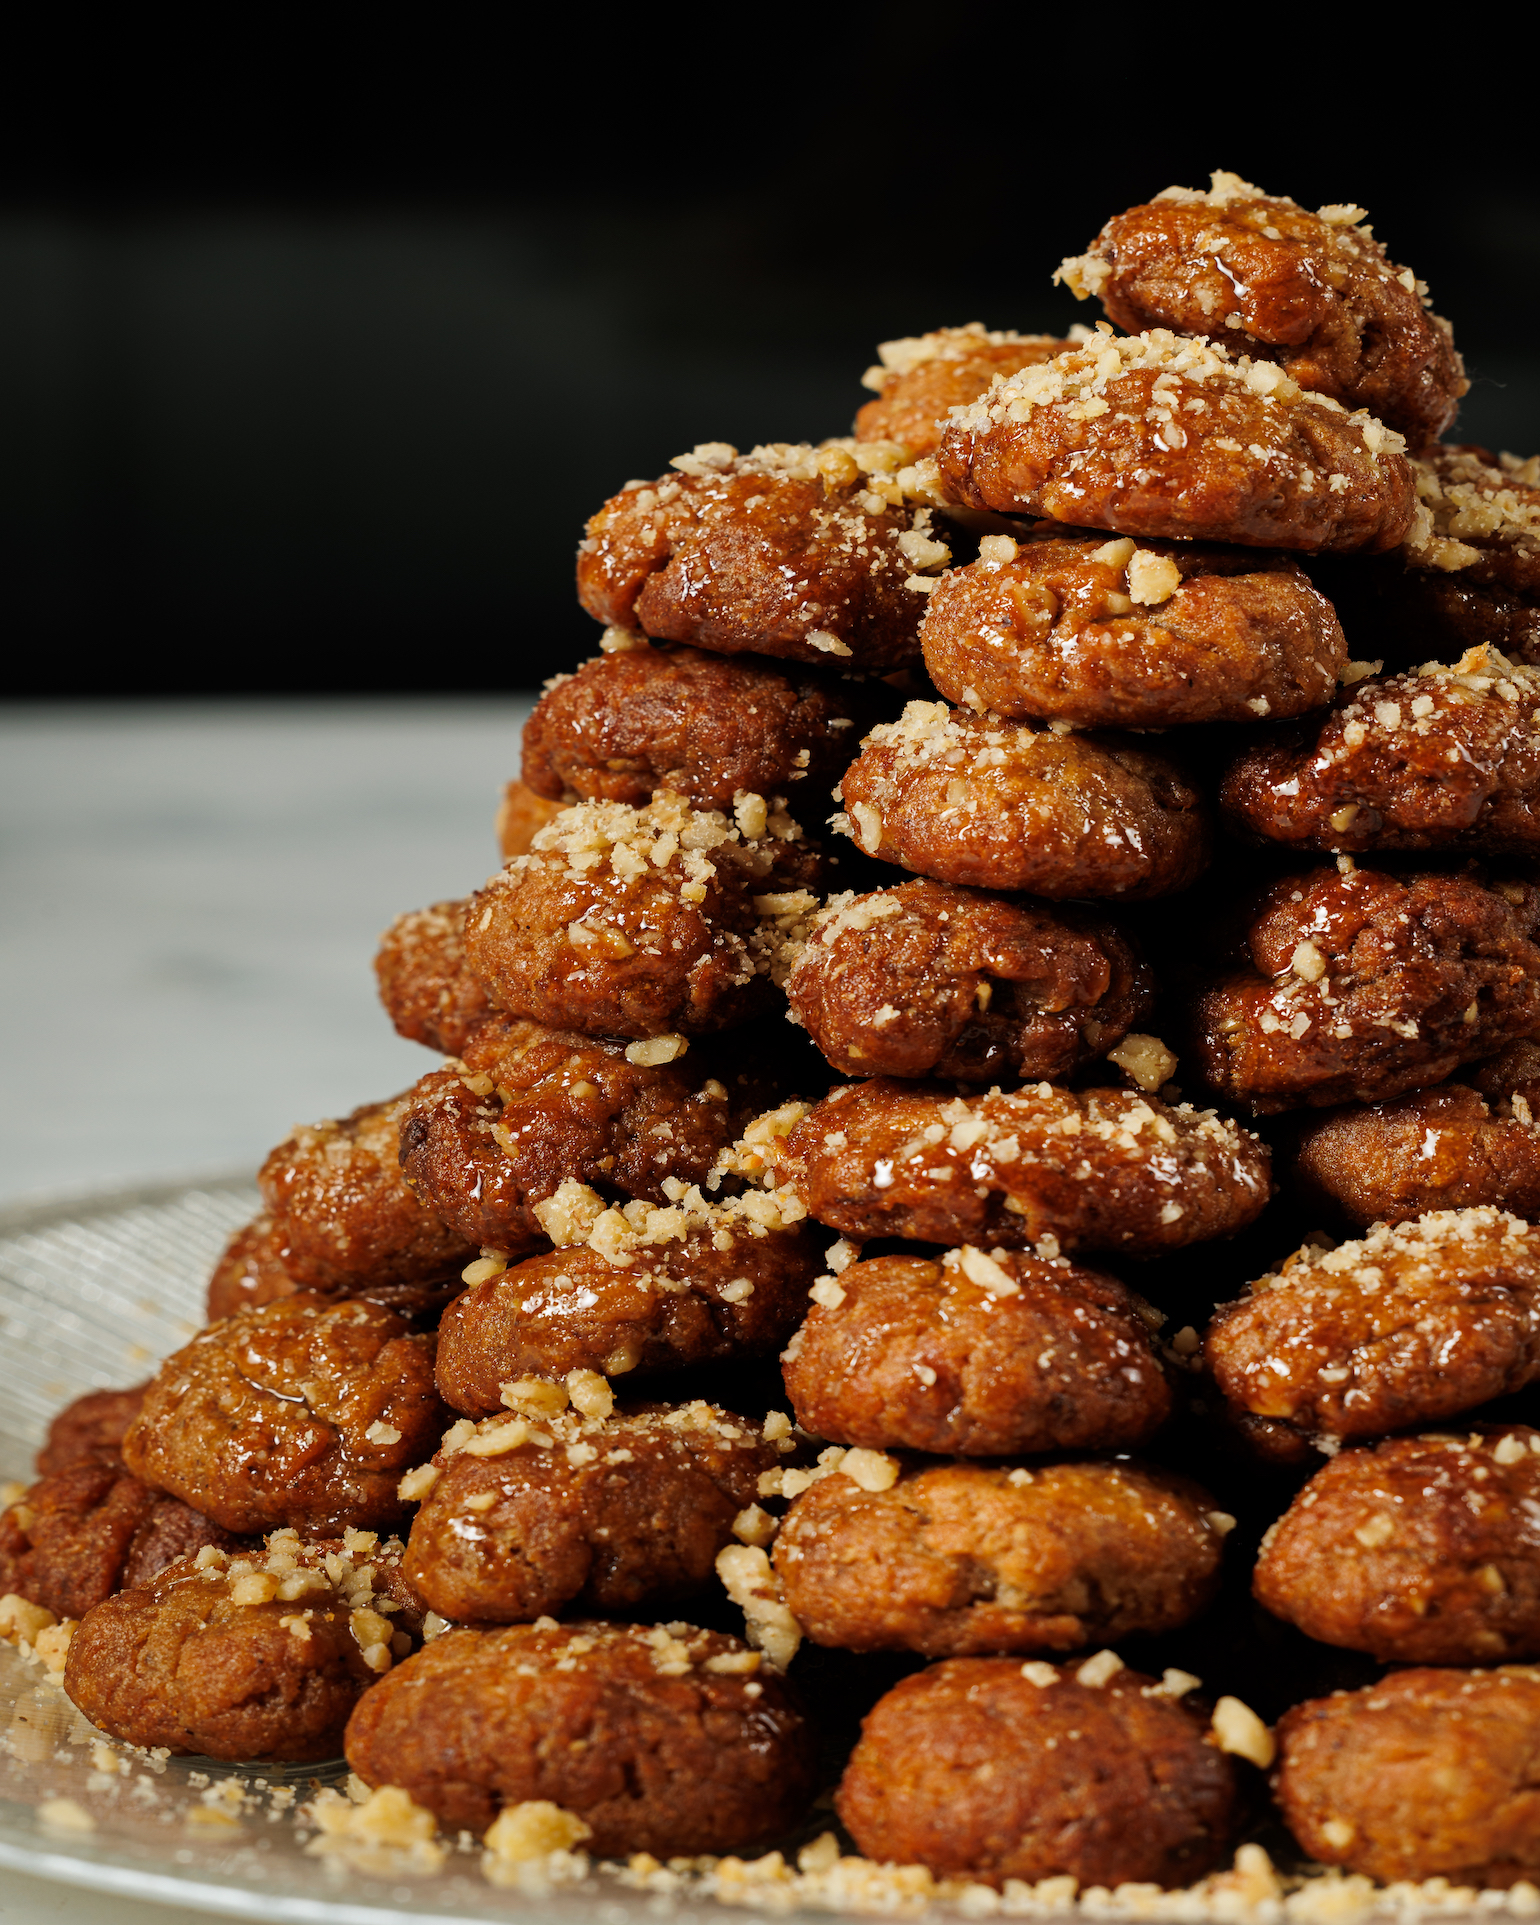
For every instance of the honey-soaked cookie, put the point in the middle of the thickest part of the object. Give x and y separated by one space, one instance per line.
988 1769
653 922
521 815
920 379
1426 1774
1115 634
545 1507
253 1268
343 1212
931 980
818 555
1420 1551
1466 576
1094 1169
971 799
633 1290
1261 275
977 1354
956 1560
297 1412
1365 985
1447 757
89 1426
1478 519
81 1533
1158 435
486 1145
1468 1142
711 728
1409 1325
661 1738
1471 559
254 1656
429 994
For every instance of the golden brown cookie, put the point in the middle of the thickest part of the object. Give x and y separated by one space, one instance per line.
661 1738
931 980
919 380
979 1354
1094 1169
1119 634
429 994
1466 576
1364 985
1467 1142
1409 1325
971 799
1427 1774
256 1656
809 554
1261 275
89 1425
1447 757
298 1412
487 1144
537 1510
651 922
957 1560
342 1213
647 1290
1420 1551
985 1769
1159 435
90 1529
711 728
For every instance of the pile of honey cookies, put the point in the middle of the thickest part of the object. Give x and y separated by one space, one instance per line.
1034 1265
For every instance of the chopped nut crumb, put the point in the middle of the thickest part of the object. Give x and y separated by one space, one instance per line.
873 1470
380 1830
1238 1729
1099 1670
752 1584
65 1814
1146 1059
655 1050
590 1393
22 1622
534 1829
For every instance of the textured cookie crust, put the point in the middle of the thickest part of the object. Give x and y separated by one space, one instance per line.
1314 292
1123 634
1158 435
977 1771
662 1738
978 1355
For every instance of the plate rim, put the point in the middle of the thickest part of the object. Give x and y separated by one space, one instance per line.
48 1209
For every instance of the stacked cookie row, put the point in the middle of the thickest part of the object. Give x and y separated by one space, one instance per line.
1062 625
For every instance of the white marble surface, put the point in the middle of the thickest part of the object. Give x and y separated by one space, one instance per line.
191 898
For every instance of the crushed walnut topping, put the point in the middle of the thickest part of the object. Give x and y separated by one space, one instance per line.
1465 507
1079 381
898 358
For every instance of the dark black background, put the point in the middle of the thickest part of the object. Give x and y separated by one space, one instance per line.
319 342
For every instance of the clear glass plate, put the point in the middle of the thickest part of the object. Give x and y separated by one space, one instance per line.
93 1293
